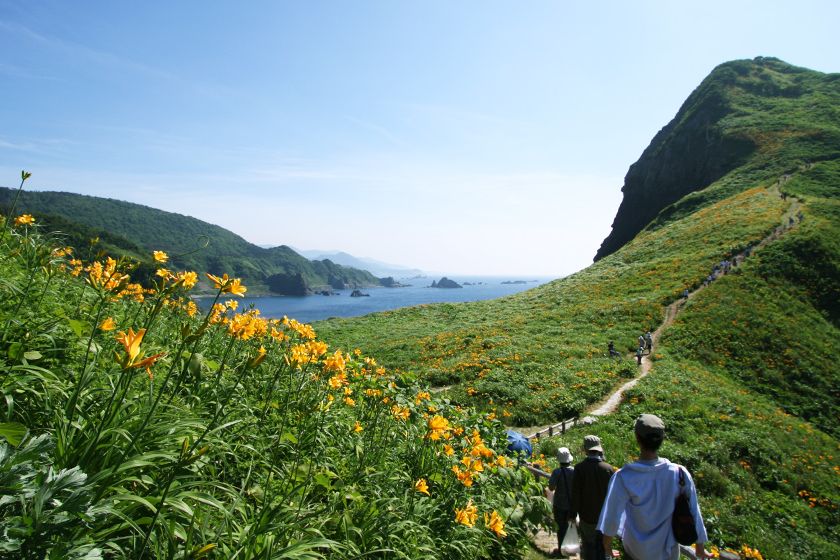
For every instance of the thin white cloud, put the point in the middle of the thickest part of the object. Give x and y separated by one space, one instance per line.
17 72
110 61
376 129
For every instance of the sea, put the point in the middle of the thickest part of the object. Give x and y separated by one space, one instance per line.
308 309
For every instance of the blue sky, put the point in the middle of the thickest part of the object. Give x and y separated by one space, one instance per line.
475 137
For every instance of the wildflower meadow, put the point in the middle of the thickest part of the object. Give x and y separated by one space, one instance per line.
135 427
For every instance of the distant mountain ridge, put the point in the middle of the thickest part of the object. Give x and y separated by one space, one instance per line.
378 268
136 230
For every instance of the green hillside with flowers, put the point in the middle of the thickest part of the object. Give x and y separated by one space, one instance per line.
134 426
745 377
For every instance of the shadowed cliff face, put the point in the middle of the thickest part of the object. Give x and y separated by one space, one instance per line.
716 131
687 155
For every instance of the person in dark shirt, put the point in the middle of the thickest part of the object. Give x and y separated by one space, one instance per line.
561 483
592 478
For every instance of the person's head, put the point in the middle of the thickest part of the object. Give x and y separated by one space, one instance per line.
564 456
592 445
650 432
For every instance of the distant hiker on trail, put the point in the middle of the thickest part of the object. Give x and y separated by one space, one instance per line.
649 342
641 497
642 340
613 352
639 353
561 483
685 294
592 478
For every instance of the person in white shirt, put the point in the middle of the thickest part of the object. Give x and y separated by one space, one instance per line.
641 497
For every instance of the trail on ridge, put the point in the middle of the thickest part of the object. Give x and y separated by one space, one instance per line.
611 402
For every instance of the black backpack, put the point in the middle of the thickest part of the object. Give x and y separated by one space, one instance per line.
682 522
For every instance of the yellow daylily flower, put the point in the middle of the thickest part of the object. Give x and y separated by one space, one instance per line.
422 487
236 288
218 282
467 515
148 363
24 220
495 523
131 342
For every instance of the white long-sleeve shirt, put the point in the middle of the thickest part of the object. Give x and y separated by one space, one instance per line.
639 505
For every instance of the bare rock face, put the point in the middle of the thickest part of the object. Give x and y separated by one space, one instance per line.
691 152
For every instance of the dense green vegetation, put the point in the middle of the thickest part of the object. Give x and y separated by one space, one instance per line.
133 428
192 243
746 377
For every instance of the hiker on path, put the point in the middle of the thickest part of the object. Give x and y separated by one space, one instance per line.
642 340
685 294
649 342
641 497
561 483
613 352
592 478
639 353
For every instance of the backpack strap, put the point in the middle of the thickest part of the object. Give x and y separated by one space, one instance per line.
566 486
681 479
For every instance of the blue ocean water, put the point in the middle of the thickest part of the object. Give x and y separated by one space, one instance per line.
317 307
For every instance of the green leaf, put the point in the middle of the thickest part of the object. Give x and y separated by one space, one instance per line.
13 432
288 436
32 355
15 350
78 327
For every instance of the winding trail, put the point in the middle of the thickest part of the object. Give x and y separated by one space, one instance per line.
546 542
611 402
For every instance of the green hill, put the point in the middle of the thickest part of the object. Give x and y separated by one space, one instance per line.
759 117
135 230
746 377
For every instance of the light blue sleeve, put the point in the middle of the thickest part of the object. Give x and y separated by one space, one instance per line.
614 504
702 537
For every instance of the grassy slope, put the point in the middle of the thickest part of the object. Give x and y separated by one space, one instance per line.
748 377
552 340
192 243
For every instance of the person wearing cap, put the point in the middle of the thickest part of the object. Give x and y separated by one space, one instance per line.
641 497
561 483
592 478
